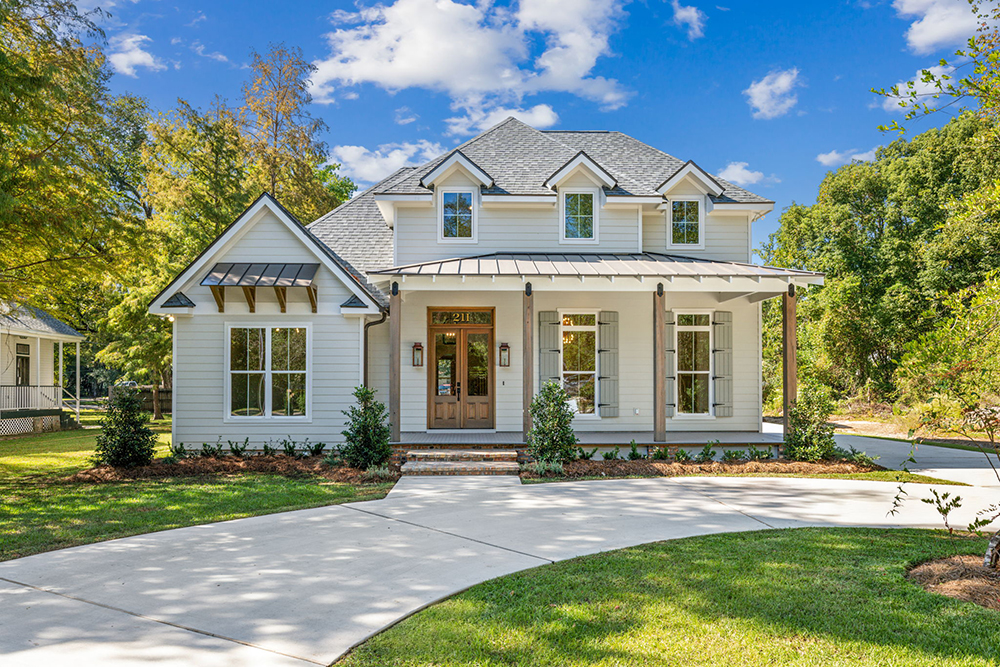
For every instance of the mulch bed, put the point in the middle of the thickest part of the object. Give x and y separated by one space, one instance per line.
653 468
962 578
206 466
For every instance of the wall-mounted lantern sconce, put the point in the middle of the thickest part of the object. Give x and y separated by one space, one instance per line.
418 354
504 355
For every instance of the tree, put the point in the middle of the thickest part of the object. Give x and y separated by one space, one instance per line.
551 437
367 434
287 154
125 440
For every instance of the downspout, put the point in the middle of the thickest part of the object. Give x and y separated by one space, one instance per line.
365 343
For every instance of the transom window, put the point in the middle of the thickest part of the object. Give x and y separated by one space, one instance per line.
458 216
268 372
579 217
579 360
694 363
685 222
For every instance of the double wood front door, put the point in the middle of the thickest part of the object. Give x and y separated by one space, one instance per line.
460 372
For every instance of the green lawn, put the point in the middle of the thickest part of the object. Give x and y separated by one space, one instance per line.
807 596
40 513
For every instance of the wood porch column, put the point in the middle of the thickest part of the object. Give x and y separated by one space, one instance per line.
528 360
659 365
789 343
395 332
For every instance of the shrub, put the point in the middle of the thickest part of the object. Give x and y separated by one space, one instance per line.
313 448
707 454
854 456
661 454
754 454
808 435
634 454
378 473
732 455
367 434
268 449
212 451
551 437
288 448
684 456
238 450
335 458
583 454
125 440
612 455
543 468
178 452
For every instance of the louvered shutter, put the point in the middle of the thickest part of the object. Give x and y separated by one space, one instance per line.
607 352
549 362
668 338
723 372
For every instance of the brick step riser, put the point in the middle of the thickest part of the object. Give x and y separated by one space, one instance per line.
443 473
432 458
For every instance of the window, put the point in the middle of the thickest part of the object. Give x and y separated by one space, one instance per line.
579 217
579 360
694 362
685 222
458 215
22 370
268 372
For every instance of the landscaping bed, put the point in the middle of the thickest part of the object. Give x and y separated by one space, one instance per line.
200 466
960 577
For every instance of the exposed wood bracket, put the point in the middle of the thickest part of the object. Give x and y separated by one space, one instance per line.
312 296
220 297
282 294
250 293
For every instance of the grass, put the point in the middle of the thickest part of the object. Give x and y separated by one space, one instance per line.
788 597
872 476
40 513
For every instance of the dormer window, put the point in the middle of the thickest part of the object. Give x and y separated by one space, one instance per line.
685 223
458 216
579 216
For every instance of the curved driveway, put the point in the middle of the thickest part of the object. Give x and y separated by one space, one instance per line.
302 587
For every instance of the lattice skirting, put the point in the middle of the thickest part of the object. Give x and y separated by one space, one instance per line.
16 426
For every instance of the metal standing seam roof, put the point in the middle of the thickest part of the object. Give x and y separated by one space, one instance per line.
646 264
228 274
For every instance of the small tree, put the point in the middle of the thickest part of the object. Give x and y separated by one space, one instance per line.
125 441
551 437
367 434
809 436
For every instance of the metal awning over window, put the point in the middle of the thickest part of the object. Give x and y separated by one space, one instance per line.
251 276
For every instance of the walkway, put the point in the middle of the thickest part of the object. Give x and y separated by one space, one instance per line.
302 587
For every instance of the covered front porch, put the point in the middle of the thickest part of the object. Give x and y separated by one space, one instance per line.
658 349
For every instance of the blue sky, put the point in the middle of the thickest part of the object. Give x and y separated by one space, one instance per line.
769 94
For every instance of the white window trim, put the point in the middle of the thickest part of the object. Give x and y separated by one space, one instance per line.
596 193
475 215
710 415
228 418
670 223
597 357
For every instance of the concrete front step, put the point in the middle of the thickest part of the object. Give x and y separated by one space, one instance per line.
460 468
461 455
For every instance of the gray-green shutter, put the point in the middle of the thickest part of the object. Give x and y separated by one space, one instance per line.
549 362
607 353
668 337
723 353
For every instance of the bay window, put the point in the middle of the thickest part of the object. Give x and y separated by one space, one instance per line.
268 372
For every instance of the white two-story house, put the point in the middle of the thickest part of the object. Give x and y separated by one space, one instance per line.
458 287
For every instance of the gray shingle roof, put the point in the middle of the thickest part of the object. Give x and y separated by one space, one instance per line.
34 319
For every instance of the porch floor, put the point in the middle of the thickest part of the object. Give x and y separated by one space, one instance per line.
594 438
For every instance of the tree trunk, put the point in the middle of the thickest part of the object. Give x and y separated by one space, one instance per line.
157 412
992 559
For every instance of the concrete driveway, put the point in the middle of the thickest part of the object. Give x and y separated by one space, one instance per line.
303 587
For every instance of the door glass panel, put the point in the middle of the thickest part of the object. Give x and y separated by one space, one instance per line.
478 363
445 349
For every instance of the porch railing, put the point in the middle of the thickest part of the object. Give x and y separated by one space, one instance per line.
30 397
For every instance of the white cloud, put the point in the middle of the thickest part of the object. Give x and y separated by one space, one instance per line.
128 54
741 174
836 158
197 19
690 16
924 90
938 23
772 96
369 166
404 116
482 117
478 54
199 48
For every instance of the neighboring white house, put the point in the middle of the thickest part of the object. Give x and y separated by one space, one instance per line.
458 287
32 394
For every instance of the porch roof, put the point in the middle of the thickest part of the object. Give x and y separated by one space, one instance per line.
598 265
20 319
